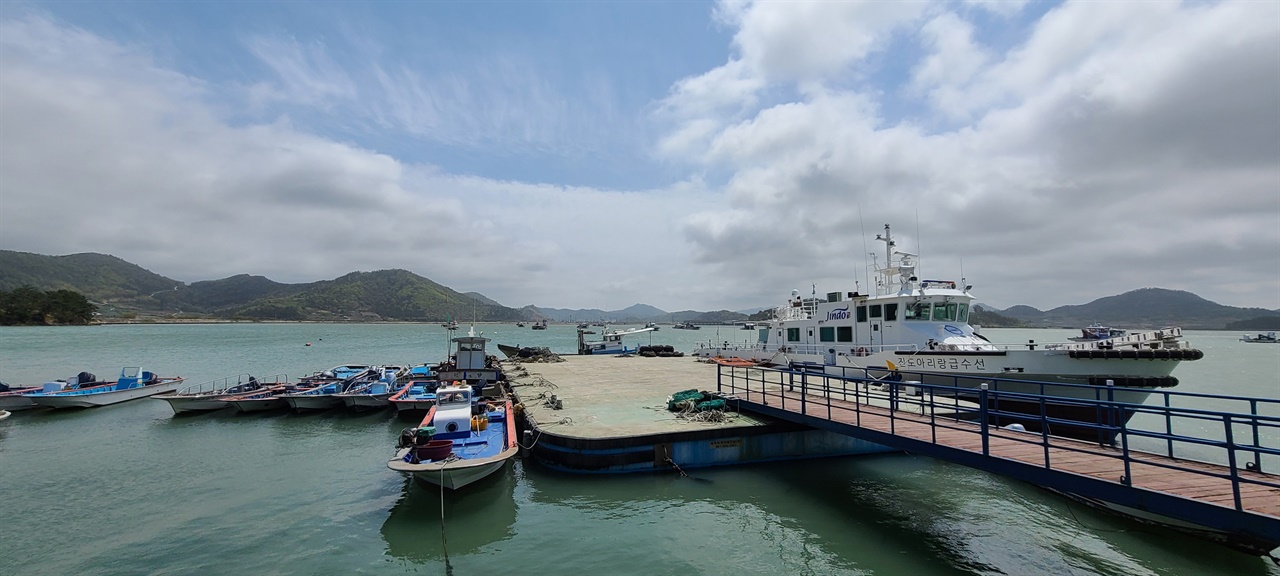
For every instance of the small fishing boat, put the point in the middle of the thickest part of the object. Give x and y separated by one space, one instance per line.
686 326
415 397
1268 338
215 394
1097 331
324 394
262 400
610 343
134 383
374 394
14 399
458 442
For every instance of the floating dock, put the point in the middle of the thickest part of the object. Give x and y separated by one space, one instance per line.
609 415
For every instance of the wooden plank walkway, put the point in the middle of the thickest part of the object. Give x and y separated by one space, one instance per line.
1190 479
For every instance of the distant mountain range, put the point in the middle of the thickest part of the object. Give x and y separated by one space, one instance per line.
123 291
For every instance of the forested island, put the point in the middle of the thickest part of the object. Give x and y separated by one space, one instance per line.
28 306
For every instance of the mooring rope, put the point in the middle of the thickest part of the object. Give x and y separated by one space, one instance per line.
444 542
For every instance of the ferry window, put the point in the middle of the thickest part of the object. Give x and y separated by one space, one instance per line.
964 314
944 312
793 334
862 313
890 312
827 334
916 311
844 333
875 310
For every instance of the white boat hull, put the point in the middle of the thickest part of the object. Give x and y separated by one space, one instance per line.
259 404
92 400
453 474
367 401
313 401
16 402
182 404
414 405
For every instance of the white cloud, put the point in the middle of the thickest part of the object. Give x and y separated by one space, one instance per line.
103 151
1120 146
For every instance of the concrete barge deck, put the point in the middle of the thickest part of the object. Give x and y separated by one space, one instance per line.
613 417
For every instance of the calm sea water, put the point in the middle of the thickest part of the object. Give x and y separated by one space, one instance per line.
132 489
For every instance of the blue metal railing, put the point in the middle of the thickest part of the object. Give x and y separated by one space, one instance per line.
1149 434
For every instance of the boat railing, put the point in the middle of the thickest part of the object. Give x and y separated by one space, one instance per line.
214 386
1239 433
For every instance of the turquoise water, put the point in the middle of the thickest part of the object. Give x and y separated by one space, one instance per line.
132 489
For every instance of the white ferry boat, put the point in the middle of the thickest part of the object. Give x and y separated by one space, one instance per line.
921 327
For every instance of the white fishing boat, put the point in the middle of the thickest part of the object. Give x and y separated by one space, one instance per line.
1268 338
1097 331
458 442
922 327
134 383
610 342
215 394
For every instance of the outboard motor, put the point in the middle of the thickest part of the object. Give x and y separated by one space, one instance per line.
406 438
85 378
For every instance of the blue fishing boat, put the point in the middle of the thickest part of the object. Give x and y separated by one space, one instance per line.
418 395
459 442
13 399
374 394
134 383
323 394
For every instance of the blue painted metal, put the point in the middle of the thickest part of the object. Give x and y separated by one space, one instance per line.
816 409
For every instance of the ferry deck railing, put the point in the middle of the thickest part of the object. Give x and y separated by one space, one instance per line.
1240 440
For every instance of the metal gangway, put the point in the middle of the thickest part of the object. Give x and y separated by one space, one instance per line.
1194 462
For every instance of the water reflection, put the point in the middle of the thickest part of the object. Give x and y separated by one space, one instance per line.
479 515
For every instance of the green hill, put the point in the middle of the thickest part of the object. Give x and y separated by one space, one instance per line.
125 290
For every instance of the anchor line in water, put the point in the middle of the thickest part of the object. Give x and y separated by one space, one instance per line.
444 541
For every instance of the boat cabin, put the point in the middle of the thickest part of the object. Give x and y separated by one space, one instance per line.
453 412
470 362
906 313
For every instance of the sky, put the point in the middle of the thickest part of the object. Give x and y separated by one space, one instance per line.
685 155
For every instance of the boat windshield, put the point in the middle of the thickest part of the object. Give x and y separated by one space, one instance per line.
453 397
916 311
131 372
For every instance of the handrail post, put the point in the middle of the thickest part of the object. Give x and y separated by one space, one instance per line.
982 412
804 391
1127 479
1257 440
1168 423
1231 460
1111 411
